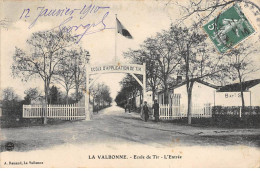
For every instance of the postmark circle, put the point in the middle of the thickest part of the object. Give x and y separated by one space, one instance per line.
9 146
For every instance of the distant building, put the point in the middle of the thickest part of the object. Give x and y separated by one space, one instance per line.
230 95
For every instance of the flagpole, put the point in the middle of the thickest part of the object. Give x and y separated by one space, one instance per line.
115 38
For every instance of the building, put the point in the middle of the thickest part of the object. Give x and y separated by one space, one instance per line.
230 95
149 99
202 93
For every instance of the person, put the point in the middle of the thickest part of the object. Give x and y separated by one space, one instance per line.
129 107
156 111
146 112
125 107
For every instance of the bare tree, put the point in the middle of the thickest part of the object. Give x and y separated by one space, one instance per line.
199 59
45 53
31 94
65 74
201 11
101 95
163 49
9 94
80 57
145 55
159 54
133 87
242 64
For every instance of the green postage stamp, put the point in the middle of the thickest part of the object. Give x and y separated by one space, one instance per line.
229 28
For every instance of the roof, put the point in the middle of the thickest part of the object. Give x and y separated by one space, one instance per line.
236 86
199 81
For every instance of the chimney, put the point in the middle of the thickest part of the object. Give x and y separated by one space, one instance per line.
179 79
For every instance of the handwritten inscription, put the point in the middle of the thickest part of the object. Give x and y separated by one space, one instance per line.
79 15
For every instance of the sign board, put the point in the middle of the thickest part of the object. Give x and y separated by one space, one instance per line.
116 68
231 99
229 28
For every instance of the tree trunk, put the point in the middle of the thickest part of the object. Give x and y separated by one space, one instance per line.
189 92
77 92
46 91
67 97
166 93
153 93
242 93
189 106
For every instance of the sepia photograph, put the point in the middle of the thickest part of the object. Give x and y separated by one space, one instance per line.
130 84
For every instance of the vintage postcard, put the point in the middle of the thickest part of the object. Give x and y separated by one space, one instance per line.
129 84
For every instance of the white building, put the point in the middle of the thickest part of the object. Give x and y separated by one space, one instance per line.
149 99
202 93
230 95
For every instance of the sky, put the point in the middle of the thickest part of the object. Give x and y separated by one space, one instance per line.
142 19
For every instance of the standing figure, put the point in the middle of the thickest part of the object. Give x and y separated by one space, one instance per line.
156 110
129 107
146 112
125 107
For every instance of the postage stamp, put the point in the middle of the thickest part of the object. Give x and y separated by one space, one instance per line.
229 28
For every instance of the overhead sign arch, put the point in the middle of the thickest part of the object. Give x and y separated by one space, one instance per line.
113 68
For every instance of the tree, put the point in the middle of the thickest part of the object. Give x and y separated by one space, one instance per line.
65 74
162 50
201 11
132 86
81 58
190 46
159 54
31 94
122 96
54 96
145 55
46 53
9 94
242 64
12 106
101 95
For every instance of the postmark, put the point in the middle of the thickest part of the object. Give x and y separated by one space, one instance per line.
9 146
229 28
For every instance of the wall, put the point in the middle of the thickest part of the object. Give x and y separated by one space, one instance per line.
201 94
255 95
149 99
231 99
160 97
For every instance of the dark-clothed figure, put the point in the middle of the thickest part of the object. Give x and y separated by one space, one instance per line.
129 107
156 110
125 107
146 112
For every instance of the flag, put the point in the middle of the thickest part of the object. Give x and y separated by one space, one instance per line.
122 30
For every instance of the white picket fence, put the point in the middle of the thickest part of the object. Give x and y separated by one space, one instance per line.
64 112
168 112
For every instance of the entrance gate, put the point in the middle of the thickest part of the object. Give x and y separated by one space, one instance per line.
113 68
